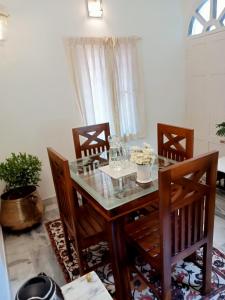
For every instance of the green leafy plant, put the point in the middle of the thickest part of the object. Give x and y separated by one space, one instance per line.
221 129
20 170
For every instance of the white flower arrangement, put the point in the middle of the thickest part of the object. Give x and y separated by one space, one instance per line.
142 156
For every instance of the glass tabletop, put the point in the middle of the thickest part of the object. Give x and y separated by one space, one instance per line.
107 191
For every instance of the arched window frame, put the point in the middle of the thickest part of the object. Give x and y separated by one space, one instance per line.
218 22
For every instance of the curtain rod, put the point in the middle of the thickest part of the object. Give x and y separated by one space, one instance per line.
105 37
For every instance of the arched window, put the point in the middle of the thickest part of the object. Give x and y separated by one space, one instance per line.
209 16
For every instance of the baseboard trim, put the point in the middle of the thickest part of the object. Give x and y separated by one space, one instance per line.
49 198
4 282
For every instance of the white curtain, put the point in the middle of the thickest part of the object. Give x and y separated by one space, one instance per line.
108 83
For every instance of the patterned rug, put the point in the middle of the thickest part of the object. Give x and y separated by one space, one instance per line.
186 277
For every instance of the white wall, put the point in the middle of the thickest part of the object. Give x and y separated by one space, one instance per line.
205 77
37 104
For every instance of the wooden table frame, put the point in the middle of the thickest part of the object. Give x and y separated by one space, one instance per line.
114 220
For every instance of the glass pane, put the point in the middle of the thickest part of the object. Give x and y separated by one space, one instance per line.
220 7
107 191
211 28
204 10
197 27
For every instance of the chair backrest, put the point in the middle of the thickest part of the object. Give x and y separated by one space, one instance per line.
91 139
175 142
187 203
63 188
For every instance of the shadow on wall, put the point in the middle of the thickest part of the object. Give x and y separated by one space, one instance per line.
2 186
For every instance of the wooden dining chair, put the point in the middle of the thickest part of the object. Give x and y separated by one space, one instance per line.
175 142
80 225
91 139
184 222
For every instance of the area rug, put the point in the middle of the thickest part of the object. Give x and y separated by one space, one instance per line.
186 277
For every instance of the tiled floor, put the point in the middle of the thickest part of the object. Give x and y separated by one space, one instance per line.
220 203
219 233
219 225
30 253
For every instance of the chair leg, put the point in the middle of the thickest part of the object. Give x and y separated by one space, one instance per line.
67 242
78 252
166 294
81 263
207 268
166 285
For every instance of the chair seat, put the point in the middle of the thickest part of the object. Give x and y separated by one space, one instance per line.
151 208
144 234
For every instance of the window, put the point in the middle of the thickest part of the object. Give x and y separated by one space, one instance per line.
108 83
209 16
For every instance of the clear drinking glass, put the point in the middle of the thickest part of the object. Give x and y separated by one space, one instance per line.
115 154
124 156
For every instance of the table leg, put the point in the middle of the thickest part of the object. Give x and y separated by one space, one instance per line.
118 255
221 180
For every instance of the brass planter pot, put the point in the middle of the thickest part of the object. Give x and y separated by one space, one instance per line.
22 212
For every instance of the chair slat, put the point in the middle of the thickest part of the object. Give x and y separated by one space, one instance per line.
201 222
183 227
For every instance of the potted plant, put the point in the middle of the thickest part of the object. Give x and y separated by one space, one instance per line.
21 206
221 129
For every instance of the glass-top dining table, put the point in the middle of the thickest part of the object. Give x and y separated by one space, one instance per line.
114 199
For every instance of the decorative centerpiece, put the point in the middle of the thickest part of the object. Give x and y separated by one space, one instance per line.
144 158
21 206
